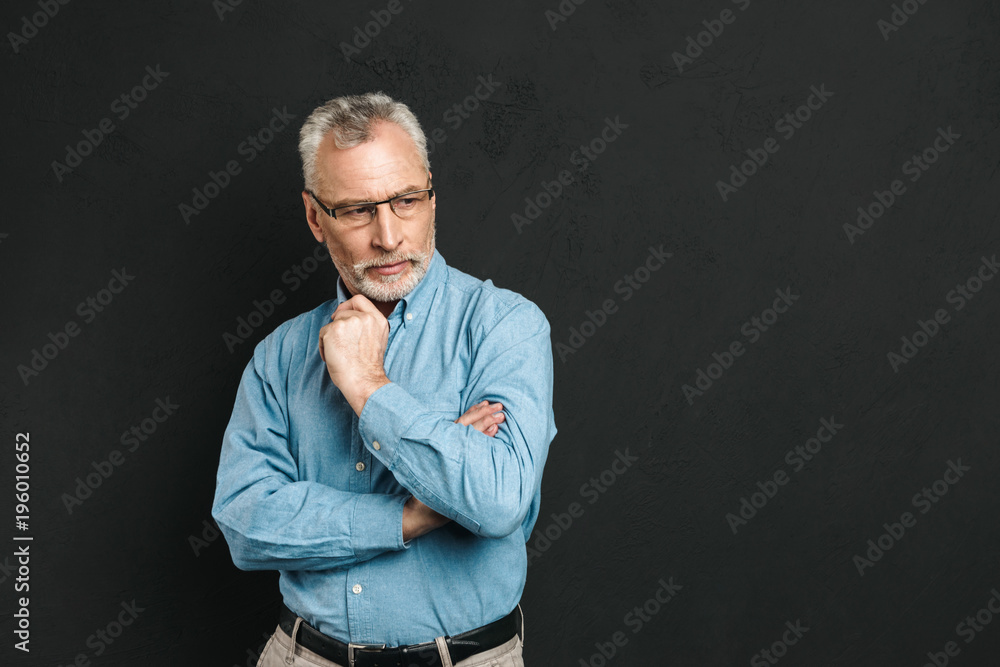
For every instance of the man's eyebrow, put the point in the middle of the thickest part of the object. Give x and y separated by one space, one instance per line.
351 202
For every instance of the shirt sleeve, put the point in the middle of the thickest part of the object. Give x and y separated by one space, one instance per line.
486 484
271 520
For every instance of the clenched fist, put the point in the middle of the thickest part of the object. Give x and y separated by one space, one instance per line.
353 346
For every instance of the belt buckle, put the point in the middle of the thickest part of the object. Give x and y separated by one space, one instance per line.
351 647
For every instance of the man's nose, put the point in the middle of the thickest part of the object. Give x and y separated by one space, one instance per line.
388 228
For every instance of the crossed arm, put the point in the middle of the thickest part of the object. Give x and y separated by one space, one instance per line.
418 518
484 478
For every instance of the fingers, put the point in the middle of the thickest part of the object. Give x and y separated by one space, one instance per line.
485 417
357 305
489 424
344 308
476 412
322 354
361 302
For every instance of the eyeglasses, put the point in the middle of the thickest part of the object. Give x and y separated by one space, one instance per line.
405 206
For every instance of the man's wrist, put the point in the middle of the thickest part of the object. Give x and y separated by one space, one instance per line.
414 520
358 393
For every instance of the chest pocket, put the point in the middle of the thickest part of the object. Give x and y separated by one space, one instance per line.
445 402
440 394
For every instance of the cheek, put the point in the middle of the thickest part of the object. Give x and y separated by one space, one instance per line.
337 253
338 245
429 232
351 249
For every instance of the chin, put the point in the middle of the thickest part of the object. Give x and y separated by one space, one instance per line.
389 288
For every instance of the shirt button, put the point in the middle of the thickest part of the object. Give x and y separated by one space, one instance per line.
376 445
357 589
359 466
409 316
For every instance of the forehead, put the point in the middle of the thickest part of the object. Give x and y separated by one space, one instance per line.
374 169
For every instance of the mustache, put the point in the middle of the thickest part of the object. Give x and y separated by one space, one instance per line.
387 259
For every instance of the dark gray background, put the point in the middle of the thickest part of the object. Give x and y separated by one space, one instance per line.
656 184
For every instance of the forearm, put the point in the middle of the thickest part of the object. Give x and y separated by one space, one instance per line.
270 518
485 484
307 526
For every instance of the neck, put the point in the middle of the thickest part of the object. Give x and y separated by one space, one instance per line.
385 307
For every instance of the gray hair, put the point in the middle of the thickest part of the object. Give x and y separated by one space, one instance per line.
351 118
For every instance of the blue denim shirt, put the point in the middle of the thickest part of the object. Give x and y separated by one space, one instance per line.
308 488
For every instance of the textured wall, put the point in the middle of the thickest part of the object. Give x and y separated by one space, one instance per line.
705 183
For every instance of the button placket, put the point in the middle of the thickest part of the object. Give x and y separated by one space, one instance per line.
359 482
361 478
358 602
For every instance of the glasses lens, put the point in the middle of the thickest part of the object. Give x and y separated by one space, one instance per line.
410 204
356 215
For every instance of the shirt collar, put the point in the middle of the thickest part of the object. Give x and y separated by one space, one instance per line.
414 306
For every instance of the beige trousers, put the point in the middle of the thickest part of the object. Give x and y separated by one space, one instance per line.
279 652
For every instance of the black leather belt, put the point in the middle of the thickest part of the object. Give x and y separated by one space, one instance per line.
460 646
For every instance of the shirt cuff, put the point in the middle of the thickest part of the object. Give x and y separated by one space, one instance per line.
378 524
387 414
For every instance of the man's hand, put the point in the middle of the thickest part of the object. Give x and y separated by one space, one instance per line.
484 416
418 518
353 346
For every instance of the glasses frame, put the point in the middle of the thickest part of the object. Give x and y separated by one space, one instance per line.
332 212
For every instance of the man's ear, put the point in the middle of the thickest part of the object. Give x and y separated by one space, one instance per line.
434 204
312 217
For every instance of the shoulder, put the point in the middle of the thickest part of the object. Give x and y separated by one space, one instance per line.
486 305
292 340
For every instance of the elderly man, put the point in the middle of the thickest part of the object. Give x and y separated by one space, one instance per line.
385 450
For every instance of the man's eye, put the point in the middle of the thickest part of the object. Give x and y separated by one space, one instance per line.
406 202
357 212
